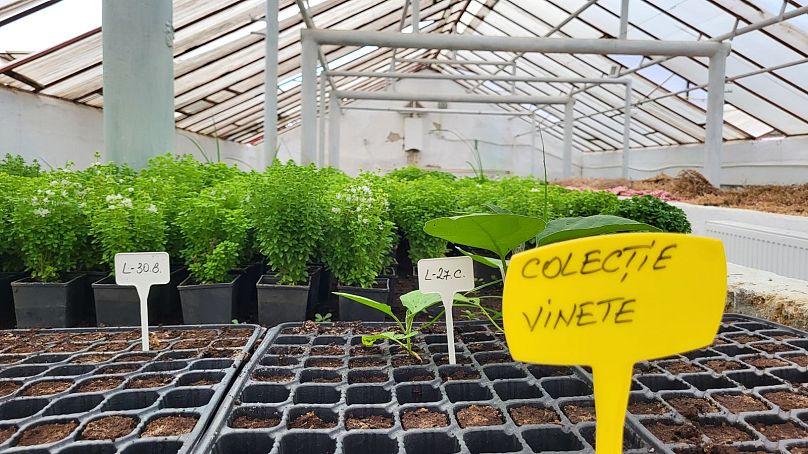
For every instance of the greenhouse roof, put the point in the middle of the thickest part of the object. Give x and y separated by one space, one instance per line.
219 61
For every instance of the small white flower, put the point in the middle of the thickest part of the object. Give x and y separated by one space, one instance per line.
365 220
34 200
54 182
535 190
45 200
49 192
130 189
335 210
82 205
64 193
152 208
339 196
126 203
112 207
42 212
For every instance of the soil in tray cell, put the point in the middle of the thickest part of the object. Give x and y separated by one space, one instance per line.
479 415
691 407
327 350
579 413
669 432
771 347
229 343
401 361
220 353
119 369
142 358
286 350
800 360
529 414
46 433
251 422
460 375
191 344
788 400
325 363
423 418
746 338
366 362
722 365
124 336
168 426
109 428
723 433
647 408
110 347
368 422
8 387
310 420
99 384
762 362
366 351
681 367
737 403
787 430
88 337
91 359
66 348
274 376
47 388
6 433
149 381
206 382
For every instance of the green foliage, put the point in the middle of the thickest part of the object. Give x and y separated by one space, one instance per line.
320 318
359 233
288 209
412 204
12 188
588 203
51 227
566 229
214 235
412 173
16 165
127 224
656 212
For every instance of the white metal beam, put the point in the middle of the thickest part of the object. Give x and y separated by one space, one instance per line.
270 84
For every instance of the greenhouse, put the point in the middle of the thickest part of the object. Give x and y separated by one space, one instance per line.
403 226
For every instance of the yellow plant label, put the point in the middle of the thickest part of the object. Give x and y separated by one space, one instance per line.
610 301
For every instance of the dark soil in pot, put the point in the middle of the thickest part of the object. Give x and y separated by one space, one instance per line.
786 430
737 403
531 414
252 422
721 365
423 418
788 400
670 432
579 413
681 367
310 420
329 350
723 433
281 376
109 428
8 387
460 375
96 385
47 388
762 362
170 426
6 433
479 415
647 408
691 407
46 433
153 381
368 422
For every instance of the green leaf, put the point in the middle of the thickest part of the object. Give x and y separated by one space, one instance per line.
381 307
487 261
369 339
417 301
565 229
498 233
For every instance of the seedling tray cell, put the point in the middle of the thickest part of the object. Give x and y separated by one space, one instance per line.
93 391
351 399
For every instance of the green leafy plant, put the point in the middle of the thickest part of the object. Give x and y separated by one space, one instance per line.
656 212
16 165
12 188
566 229
498 233
588 203
412 173
51 227
320 318
215 237
359 233
127 224
288 210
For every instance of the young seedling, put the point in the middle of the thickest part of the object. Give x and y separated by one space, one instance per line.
320 318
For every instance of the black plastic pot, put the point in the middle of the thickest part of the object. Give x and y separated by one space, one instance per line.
278 303
391 273
351 310
119 305
246 302
7 299
50 304
207 303
169 311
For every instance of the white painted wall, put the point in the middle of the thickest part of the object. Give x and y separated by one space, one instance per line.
55 131
372 140
773 161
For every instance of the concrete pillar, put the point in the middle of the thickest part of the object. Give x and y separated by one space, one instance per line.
270 85
715 118
321 130
138 53
308 110
334 115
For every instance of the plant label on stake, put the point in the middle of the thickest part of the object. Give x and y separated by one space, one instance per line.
142 270
610 301
446 276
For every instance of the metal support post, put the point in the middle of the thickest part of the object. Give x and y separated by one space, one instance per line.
513 73
308 110
270 85
138 64
416 16
715 117
627 132
334 116
534 153
321 137
623 19
566 168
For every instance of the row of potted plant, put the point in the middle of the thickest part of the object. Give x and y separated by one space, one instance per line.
223 226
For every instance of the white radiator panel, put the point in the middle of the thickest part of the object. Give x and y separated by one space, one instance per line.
780 251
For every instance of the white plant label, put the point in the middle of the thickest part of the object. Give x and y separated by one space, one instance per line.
446 276
142 270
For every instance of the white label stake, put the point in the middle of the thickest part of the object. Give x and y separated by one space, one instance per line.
446 276
142 270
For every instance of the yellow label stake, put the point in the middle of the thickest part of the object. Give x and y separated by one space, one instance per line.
610 301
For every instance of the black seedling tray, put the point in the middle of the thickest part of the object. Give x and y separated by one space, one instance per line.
197 364
284 380
752 379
